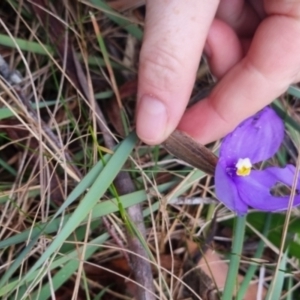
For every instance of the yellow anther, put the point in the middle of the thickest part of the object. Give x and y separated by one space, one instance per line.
243 167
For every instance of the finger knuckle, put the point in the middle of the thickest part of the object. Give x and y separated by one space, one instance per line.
160 68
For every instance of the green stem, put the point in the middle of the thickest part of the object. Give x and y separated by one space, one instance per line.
252 269
237 247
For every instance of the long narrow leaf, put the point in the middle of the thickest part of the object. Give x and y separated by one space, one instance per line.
118 19
97 190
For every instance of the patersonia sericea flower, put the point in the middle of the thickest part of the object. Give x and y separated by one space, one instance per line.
237 185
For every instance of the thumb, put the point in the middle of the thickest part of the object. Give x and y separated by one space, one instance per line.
175 33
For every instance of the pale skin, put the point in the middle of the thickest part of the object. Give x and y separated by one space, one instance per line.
253 48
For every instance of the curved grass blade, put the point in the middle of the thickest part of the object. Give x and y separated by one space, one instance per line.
133 29
70 257
101 209
96 191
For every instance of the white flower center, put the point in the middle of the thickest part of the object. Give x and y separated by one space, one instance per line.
243 167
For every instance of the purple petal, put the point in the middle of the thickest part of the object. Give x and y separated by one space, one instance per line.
255 188
257 138
226 190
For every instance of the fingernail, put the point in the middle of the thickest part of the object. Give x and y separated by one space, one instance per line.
151 120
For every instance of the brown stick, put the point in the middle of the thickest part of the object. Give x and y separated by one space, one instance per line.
139 260
187 149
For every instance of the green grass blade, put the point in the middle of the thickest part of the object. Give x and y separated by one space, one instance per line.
37 48
133 29
276 286
32 47
101 209
294 91
252 268
237 247
8 167
96 191
284 116
69 268
72 256
5 112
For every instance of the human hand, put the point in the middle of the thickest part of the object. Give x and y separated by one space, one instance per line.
253 48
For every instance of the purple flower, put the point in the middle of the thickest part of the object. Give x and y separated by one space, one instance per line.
237 186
